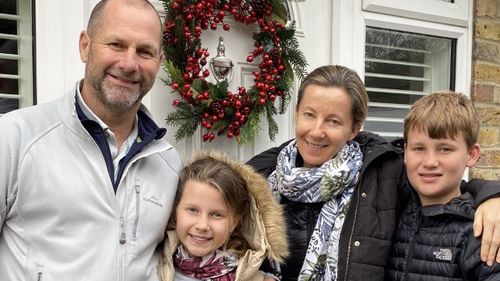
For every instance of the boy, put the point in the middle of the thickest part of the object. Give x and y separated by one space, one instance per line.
434 239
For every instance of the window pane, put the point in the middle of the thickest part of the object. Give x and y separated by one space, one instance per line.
401 67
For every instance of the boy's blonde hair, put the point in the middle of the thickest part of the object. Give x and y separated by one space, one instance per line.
444 115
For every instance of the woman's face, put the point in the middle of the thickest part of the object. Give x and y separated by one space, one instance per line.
324 123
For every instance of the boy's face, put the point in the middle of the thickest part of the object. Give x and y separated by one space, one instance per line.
435 166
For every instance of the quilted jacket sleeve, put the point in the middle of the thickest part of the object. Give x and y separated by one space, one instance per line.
472 266
482 190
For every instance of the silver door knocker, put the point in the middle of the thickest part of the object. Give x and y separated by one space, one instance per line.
221 66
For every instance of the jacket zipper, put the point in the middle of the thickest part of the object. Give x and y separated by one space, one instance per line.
40 276
137 209
123 235
358 191
412 245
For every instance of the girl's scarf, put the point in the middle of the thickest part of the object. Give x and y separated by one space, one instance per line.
332 183
217 266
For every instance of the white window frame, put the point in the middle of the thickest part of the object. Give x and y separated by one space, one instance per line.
456 13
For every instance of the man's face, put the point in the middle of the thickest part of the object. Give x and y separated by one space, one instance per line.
123 56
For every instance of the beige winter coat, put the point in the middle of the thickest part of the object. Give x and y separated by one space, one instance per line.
264 229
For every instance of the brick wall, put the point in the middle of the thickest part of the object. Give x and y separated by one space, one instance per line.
486 85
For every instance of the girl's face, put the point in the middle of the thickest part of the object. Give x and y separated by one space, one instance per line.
324 123
203 221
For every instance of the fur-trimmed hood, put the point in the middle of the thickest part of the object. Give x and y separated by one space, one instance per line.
264 227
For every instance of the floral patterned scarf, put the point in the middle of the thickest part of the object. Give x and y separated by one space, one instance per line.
217 266
332 183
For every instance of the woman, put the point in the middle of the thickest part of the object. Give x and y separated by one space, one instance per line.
340 187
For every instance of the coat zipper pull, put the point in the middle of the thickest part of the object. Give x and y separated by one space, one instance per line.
123 236
137 210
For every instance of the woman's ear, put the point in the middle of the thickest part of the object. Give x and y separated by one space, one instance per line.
355 130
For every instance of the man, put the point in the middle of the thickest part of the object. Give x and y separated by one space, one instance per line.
86 182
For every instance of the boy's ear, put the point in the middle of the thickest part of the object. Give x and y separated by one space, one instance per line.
474 155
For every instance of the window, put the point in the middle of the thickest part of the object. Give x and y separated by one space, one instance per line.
401 67
406 49
16 62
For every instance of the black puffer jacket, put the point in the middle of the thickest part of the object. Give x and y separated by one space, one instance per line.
436 243
368 229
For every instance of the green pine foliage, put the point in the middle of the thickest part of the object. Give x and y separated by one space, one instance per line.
186 118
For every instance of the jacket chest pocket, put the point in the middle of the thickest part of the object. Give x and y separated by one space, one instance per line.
148 210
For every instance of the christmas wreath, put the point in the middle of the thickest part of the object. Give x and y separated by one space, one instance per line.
219 111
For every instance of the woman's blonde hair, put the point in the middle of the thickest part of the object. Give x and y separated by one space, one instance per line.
337 76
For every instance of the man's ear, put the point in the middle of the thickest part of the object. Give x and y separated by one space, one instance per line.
474 155
84 45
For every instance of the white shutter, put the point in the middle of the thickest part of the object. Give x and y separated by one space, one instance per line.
16 63
401 67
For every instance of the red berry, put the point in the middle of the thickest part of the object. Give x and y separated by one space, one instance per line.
175 5
206 73
176 102
175 86
226 27
250 59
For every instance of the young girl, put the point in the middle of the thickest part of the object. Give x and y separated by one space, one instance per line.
226 223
